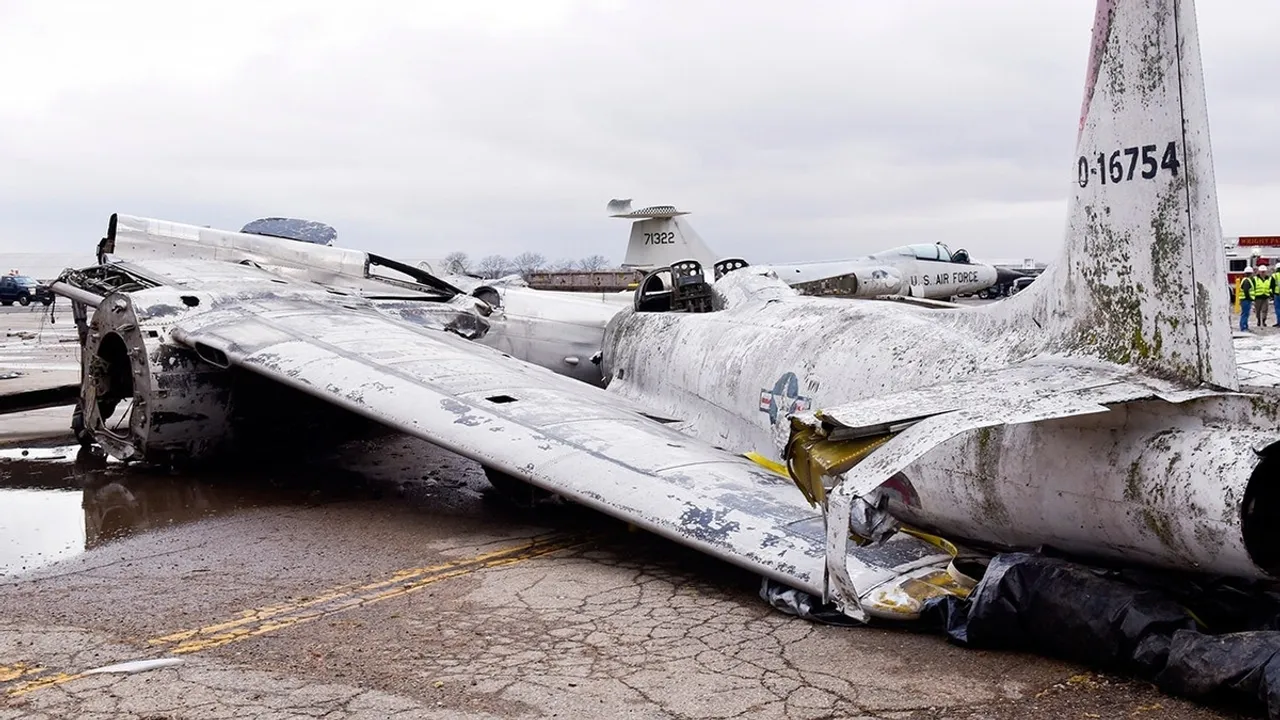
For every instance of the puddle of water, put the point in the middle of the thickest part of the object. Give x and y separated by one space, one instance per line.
53 506
38 527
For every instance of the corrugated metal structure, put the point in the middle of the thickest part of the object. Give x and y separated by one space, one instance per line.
584 280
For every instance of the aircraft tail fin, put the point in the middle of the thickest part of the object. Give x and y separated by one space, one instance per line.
660 236
1142 277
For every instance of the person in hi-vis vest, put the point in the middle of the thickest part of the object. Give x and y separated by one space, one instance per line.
1245 296
1263 289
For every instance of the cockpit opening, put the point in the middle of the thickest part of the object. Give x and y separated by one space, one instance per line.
936 252
683 287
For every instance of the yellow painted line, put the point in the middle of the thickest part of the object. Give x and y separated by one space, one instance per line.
260 621
9 673
270 618
41 682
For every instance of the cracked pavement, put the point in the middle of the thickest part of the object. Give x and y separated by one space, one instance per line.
608 623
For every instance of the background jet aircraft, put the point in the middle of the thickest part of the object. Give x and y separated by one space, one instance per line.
661 236
1099 412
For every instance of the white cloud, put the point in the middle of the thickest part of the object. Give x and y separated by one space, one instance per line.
818 129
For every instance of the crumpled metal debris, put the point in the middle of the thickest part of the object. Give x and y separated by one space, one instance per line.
802 604
135 666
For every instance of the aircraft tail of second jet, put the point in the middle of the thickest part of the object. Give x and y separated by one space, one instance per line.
660 236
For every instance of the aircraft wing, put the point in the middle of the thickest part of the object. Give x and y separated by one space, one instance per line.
581 442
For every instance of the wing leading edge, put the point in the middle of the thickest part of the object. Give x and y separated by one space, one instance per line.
575 440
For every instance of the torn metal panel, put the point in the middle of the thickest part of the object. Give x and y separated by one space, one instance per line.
1163 513
897 455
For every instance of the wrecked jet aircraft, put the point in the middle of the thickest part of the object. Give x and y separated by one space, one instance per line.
661 236
1100 412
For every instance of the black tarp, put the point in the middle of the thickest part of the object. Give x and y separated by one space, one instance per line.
1198 639
1210 640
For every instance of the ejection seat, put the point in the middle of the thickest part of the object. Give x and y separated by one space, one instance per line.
728 265
690 291
682 287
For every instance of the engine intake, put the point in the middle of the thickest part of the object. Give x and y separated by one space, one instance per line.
144 397
872 282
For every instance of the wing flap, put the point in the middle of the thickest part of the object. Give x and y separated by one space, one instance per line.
1005 388
875 415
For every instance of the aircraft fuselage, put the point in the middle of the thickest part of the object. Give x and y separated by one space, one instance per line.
895 273
1129 485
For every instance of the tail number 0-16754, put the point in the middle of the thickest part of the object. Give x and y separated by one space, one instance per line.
1122 165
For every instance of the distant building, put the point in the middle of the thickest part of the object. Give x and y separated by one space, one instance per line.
584 280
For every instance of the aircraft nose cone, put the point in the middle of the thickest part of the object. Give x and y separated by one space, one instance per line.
1004 275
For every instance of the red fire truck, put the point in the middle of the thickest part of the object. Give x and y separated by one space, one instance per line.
1250 251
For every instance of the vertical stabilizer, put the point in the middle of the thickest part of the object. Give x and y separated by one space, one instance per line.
1141 281
661 236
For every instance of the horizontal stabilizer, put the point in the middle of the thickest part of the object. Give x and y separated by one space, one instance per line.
656 211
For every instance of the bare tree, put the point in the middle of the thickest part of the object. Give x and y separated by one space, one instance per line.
457 263
493 266
562 265
527 262
593 263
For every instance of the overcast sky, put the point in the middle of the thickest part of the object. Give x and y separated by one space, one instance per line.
818 131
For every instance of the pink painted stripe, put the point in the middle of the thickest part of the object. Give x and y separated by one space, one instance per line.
1101 32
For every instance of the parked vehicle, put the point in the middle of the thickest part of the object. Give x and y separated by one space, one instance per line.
24 290
1020 284
1249 251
